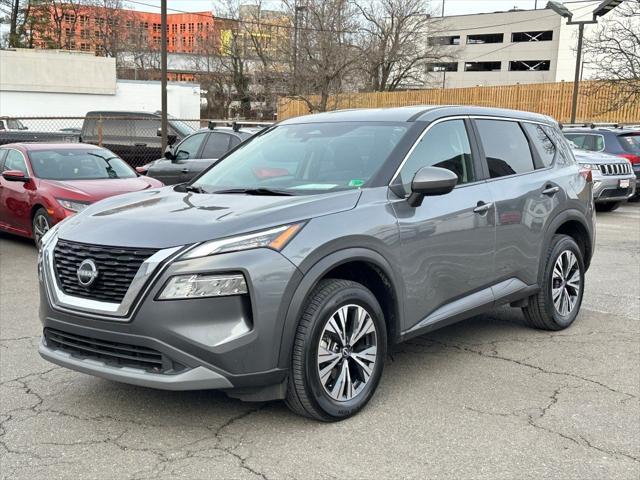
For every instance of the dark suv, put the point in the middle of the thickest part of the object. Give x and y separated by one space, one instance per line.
288 268
195 153
133 136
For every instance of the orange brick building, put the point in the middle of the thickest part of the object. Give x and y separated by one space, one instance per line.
99 29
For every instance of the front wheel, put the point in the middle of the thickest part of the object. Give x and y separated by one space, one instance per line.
338 352
607 207
557 304
40 225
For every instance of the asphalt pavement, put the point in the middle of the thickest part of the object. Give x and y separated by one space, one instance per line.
484 399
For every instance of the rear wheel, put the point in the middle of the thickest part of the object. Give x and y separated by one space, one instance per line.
40 225
607 207
338 353
557 304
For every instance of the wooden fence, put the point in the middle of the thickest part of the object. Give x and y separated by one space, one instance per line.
594 100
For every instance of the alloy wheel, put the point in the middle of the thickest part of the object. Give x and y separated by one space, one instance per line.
347 352
40 227
565 283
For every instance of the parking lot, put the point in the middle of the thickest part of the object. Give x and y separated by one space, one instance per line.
487 398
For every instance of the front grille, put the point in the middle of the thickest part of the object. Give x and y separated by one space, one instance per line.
111 353
615 192
615 168
116 269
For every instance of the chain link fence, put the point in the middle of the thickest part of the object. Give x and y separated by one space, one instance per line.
133 137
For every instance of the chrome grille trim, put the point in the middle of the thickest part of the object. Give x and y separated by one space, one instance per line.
615 168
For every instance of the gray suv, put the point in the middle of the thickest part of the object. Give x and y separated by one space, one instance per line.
288 269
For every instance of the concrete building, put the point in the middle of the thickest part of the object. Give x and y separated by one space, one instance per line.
502 48
53 83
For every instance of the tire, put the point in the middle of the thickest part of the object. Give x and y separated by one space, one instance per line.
329 400
541 311
40 224
607 207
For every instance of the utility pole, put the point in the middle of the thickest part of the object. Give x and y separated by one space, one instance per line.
443 8
605 7
163 60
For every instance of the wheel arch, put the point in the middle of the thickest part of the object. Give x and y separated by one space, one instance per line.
358 264
573 224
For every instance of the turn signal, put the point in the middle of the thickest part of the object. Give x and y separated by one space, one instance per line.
586 174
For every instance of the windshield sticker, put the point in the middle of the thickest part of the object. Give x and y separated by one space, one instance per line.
356 182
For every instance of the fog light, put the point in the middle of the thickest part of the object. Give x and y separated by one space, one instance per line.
200 286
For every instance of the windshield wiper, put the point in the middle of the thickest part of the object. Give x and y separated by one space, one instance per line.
257 191
106 159
194 189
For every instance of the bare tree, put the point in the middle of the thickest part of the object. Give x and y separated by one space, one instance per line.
615 50
392 41
325 50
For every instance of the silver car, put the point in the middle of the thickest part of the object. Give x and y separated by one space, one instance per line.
614 181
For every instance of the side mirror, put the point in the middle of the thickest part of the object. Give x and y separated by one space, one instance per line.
15 176
431 181
180 155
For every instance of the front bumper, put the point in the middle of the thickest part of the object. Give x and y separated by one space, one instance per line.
221 342
607 188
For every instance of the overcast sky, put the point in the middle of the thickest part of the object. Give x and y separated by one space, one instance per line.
452 7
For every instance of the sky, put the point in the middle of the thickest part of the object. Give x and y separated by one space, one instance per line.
452 7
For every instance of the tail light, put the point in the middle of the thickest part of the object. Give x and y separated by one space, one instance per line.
631 157
586 174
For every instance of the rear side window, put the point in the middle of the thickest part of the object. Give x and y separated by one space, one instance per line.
506 147
541 142
147 128
216 146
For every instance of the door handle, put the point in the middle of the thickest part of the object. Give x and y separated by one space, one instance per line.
139 144
483 207
185 170
550 191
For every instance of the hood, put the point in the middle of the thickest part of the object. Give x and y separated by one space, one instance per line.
166 218
94 190
586 156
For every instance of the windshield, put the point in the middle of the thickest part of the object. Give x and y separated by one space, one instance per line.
630 142
13 124
76 164
307 158
182 128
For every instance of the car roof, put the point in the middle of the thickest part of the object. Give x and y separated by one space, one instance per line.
52 146
599 130
415 113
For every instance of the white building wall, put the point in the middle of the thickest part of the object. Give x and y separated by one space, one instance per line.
83 88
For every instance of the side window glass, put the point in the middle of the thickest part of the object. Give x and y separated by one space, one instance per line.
579 140
147 128
542 143
216 146
445 145
3 153
189 147
15 161
565 156
114 127
506 147
235 141
598 143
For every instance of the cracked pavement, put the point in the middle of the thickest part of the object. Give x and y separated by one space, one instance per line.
484 399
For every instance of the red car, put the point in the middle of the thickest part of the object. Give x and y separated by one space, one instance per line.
43 183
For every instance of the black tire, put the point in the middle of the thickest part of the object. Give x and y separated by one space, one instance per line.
607 207
40 218
306 394
541 312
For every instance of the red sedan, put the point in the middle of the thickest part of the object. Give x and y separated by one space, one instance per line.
43 183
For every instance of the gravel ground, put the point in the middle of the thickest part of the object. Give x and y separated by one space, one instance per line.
486 398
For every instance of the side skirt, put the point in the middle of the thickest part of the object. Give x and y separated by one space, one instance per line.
512 291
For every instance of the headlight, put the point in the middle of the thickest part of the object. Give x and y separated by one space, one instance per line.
202 286
590 166
72 205
273 238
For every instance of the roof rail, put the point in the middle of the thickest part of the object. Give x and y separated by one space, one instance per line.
593 125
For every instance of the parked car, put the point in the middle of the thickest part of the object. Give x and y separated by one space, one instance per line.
614 181
44 183
620 141
12 130
288 268
195 153
133 136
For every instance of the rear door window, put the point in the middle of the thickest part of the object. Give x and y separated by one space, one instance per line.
630 142
506 147
216 146
542 143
